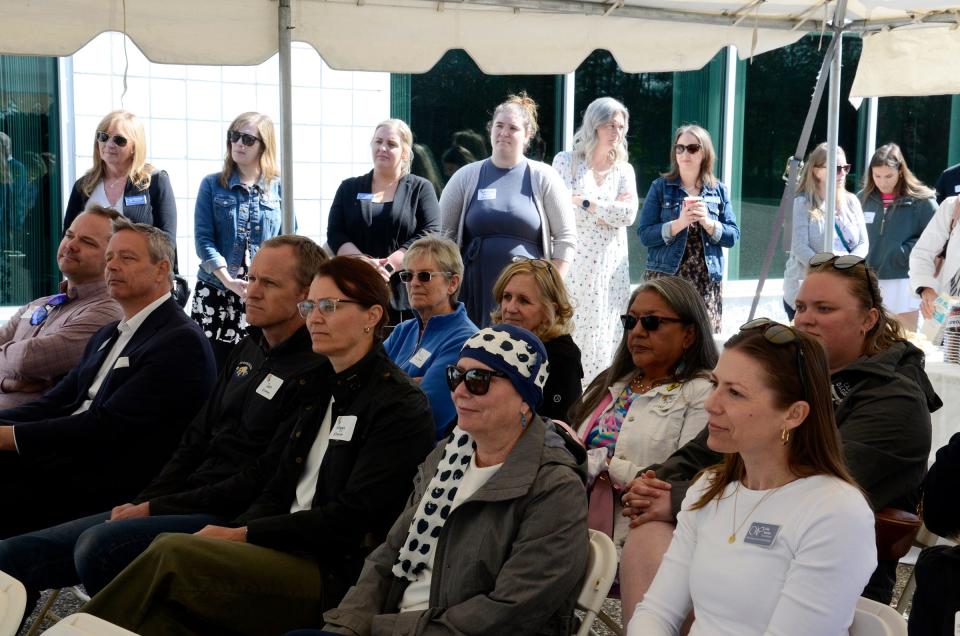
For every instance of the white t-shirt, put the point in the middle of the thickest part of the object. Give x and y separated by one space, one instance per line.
798 565
417 595
307 486
99 197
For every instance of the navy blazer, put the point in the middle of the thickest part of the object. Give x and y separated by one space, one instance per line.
137 416
159 206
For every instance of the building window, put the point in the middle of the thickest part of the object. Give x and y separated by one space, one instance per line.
920 126
30 197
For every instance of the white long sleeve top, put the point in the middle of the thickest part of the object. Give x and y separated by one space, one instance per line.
797 567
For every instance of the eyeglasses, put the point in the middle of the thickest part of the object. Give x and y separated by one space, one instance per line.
325 305
842 168
649 322
688 148
845 261
477 381
104 137
539 263
235 135
424 277
778 334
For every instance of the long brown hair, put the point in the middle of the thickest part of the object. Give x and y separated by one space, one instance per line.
361 282
814 445
890 156
808 186
706 177
269 166
140 171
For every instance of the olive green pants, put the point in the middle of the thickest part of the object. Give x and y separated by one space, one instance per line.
184 584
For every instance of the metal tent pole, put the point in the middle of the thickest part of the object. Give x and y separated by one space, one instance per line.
833 128
284 28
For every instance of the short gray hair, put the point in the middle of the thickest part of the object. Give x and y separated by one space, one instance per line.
159 245
599 112
444 251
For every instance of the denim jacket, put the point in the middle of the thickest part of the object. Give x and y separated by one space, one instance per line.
662 205
222 218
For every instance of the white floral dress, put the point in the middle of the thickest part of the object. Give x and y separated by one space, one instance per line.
599 278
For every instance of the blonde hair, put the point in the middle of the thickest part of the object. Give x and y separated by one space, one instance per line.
269 168
140 171
808 185
706 147
445 252
553 293
406 141
527 108
890 156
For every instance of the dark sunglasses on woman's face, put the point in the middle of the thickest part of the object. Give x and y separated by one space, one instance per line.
477 381
844 261
248 140
104 137
649 323
688 148
778 334
407 276
842 168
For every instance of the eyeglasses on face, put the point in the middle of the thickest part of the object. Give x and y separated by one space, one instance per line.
326 306
844 261
424 277
477 381
648 322
779 334
688 148
103 137
248 140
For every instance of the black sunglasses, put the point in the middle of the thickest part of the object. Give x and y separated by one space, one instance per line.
477 381
424 277
688 148
845 261
842 168
248 140
779 334
649 323
104 137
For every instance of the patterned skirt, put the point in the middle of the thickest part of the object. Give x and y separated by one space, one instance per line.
219 313
693 267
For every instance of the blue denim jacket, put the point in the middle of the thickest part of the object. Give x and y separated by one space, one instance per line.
662 205
221 220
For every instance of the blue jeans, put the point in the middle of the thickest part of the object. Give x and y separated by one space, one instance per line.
88 550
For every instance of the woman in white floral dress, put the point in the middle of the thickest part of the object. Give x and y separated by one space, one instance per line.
605 202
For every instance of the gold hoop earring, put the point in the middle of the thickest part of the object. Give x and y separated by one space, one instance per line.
366 330
784 436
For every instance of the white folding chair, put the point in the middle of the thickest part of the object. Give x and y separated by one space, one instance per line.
13 601
601 571
46 612
81 624
876 619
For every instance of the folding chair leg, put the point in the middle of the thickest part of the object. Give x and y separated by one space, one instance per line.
611 624
46 609
907 594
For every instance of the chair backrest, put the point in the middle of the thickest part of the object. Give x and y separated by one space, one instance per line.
601 571
877 619
81 624
13 601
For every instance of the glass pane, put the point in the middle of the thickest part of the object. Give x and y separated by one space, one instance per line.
451 104
919 125
778 87
30 205
649 96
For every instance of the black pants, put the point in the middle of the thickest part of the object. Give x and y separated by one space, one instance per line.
937 598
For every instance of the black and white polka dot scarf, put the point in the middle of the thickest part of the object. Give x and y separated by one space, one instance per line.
435 506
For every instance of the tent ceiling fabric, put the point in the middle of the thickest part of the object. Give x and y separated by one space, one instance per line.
502 36
892 63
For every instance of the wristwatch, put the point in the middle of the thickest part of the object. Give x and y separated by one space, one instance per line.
585 204
389 267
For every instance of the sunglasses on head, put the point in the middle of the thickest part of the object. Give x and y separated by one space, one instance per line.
649 323
688 148
779 334
248 140
104 137
539 263
424 277
844 261
326 306
477 381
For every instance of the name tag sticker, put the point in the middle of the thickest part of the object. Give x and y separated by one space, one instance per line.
137 199
713 199
486 194
762 534
364 196
869 216
269 386
122 363
343 428
956 188
420 357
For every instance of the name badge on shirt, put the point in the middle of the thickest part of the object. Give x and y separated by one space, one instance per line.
869 216
137 199
269 386
420 357
956 188
364 196
762 534
712 199
343 428
486 194
122 363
